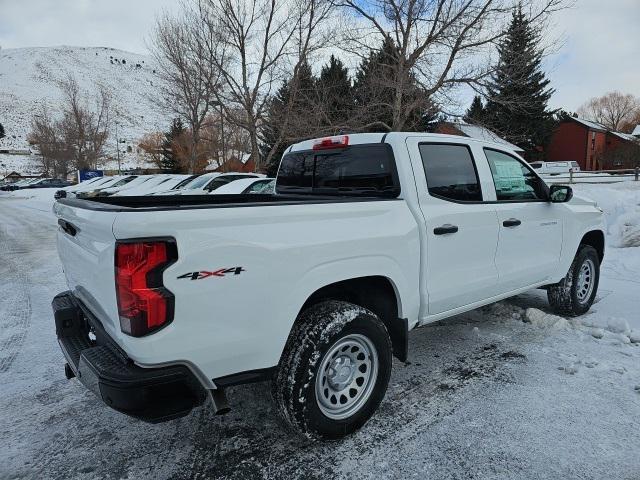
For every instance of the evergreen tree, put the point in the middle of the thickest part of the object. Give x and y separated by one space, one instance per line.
271 131
519 91
170 161
335 96
2 134
375 90
475 114
290 120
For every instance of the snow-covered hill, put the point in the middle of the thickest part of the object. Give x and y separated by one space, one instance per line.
28 80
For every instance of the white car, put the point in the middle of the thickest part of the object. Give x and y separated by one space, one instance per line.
193 187
151 185
314 288
246 185
216 181
555 168
121 187
117 181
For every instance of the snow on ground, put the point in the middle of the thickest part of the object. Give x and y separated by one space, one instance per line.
508 391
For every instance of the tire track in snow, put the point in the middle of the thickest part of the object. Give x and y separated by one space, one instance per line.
15 305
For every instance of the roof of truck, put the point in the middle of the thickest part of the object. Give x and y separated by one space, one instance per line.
360 138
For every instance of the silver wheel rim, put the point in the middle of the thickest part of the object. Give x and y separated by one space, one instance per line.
346 377
586 277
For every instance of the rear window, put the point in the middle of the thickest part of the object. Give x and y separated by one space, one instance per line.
367 169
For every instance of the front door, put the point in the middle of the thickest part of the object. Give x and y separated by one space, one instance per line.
530 226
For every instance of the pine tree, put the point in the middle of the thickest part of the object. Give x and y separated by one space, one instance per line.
375 89
170 161
290 120
272 128
475 114
2 134
335 96
519 91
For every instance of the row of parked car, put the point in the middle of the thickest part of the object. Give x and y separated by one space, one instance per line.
170 184
34 183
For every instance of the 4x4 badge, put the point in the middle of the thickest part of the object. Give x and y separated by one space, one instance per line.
221 272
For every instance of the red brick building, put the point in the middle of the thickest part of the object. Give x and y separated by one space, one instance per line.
591 145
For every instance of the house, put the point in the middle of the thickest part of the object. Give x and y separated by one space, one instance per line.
636 132
15 176
463 129
592 145
234 164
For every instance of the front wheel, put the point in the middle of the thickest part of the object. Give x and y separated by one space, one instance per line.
575 293
334 371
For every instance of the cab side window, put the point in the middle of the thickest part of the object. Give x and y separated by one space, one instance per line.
513 180
450 171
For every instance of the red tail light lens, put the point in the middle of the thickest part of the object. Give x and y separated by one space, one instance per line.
340 141
144 304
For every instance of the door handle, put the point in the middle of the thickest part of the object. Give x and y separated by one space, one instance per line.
511 222
67 227
444 229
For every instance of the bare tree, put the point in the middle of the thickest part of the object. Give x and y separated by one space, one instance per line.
614 110
254 43
76 139
183 47
46 135
85 129
151 144
439 43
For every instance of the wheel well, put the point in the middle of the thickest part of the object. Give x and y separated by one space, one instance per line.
595 238
376 294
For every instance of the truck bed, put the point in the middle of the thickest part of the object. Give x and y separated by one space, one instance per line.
174 202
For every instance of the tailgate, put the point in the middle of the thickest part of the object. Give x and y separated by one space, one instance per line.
86 247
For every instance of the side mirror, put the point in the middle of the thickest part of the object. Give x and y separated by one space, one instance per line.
560 193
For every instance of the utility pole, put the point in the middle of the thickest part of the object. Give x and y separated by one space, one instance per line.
118 147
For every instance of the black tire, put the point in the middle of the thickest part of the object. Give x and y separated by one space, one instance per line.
568 297
320 329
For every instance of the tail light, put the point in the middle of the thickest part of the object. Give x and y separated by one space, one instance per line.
144 304
340 141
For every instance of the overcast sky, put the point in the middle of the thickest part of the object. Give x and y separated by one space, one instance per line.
601 50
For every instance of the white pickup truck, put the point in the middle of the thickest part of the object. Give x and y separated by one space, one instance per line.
173 299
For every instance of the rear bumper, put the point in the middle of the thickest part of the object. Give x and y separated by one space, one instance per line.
149 394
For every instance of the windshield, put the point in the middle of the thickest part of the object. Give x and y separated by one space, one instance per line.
122 182
198 183
184 182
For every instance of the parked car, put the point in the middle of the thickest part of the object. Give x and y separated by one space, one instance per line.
220 180
246 185
151 185
316 287
48 183
108 187
91 183
192 187
19 184
555 168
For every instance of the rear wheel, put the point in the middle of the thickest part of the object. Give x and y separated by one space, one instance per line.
334 371
575 293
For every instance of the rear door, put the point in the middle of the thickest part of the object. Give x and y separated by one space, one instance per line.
530 227
460 229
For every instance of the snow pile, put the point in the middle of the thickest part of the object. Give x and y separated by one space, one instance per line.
621 205
541 319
